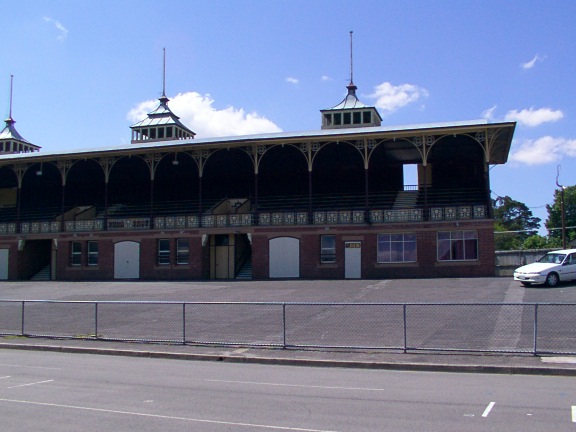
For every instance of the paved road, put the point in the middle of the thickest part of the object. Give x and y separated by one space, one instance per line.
66 392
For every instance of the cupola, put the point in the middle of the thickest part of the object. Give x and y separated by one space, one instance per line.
161 124
350 113
10 140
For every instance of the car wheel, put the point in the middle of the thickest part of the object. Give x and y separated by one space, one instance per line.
526 284
552 279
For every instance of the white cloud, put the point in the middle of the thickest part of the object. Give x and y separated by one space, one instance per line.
534 117
543 150
390 97
326 78
489 113
197 112
63 31
530 64
292 80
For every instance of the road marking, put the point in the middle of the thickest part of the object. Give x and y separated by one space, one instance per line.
31 384
7 376
294 385
488 409
131 413
573 413
31 367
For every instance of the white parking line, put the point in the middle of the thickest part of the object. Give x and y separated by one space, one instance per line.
488 409
7 376
31 384
573 413
293 385
131 413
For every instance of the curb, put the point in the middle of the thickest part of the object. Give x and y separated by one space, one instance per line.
396 366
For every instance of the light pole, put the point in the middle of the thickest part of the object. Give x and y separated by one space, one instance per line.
562 208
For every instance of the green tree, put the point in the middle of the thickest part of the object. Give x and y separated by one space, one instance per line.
541 242
554 221
515 221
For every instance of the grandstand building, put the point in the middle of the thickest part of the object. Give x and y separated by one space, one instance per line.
330 203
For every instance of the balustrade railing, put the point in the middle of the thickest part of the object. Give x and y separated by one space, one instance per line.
267 218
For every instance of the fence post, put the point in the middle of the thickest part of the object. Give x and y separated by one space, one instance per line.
535 329
405 330
284 325
96 320
22 320
183 323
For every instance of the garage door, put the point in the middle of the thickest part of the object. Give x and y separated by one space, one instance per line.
284 254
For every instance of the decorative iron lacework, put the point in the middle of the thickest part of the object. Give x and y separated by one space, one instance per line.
24 227
464 212
403 215
3 228
344 217
479 212
159 223
319 218
376 216
192 221
450 213
332 217
357 217
235 220
289 219
54 227
247 219
208 220
221 220
277 219
302 218
436 213
264 219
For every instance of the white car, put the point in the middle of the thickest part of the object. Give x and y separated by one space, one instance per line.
552 268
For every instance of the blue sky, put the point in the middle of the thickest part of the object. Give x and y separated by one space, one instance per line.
84 71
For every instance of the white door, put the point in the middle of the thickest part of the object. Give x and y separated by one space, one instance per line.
353 260
3 264
284 257
127 260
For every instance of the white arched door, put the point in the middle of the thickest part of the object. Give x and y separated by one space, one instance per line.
284 257
127 260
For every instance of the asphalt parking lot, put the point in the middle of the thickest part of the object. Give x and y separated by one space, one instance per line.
455 290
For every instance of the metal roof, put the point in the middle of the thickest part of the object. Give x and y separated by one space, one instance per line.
350 101
161 116
10 133
344 133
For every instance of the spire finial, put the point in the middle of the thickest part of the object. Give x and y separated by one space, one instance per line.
11 85
351 58
164 74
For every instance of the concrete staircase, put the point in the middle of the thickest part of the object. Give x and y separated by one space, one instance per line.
405 199
42 275
245 272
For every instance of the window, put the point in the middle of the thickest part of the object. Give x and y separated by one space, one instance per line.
367 117
76 254
347 118
393 248
163 251
169 132
357 117
327 249
328 119
92 253
338 119
457 245
182 251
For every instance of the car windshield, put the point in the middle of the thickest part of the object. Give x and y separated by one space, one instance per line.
552 258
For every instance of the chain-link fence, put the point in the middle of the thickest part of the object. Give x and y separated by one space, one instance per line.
534 328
